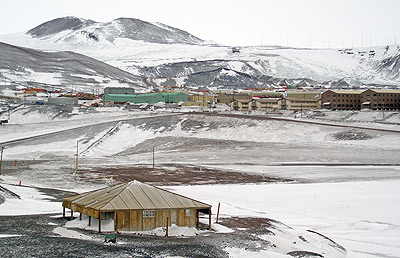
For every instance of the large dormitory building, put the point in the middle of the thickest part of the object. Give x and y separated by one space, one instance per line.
356 100
330 99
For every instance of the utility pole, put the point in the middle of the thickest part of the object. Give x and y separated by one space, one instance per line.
1 159
9 112
362 39
76 162
153 159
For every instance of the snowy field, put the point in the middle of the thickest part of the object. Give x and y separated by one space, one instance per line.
361 216
346 190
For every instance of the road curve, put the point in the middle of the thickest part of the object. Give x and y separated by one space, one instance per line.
77 128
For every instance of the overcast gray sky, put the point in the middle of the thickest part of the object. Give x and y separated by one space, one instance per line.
298 23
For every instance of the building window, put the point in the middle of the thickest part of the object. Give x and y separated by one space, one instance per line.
149 214
187 213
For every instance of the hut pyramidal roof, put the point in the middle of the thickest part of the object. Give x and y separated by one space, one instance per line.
133 196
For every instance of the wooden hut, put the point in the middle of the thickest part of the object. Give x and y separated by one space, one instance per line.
136 206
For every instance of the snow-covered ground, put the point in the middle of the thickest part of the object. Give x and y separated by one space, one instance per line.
361 216
356 204
30 202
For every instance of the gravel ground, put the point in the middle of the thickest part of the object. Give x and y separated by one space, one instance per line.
37 240
176 174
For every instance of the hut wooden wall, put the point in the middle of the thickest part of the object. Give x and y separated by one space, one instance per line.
128 220
134 221
161 218
186 221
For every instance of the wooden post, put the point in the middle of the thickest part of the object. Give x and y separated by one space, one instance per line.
115 220
99 221
218 212
90 221
63 212
197 218
72 213
209 218
80 216
166 233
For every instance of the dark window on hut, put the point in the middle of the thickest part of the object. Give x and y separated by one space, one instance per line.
149 214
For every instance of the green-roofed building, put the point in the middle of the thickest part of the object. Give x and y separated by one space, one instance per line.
150 98
175 97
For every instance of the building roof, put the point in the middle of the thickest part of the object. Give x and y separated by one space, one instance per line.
174 93
303 93
348 91
244 100
385 91
133 196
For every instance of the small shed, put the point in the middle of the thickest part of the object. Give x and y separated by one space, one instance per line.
136 206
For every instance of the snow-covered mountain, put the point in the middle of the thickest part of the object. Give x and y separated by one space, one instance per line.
163 55
61 69
72 29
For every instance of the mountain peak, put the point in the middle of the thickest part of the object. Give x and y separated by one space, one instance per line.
58 25
130 28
